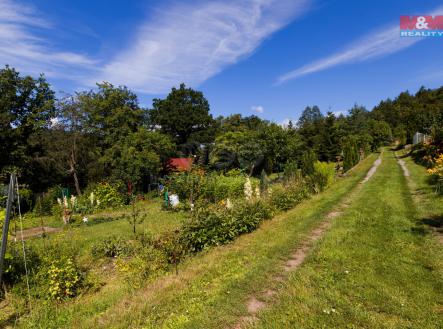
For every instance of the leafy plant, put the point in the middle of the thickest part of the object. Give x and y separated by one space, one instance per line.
218 225
285 197
323 176
113 246
107 195
62 279
146 263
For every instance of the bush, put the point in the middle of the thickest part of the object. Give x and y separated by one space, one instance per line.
218 187
323 176
217 225
436 174
60 279
212 187
113 246
172 246
45 202
147 263
285 197
105 195
307 162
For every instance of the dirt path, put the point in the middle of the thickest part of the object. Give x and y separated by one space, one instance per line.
403 166
35 231
257 303
372 171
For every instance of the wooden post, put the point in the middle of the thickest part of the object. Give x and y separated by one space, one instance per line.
6 224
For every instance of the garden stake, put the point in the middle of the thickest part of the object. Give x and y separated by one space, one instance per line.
6 224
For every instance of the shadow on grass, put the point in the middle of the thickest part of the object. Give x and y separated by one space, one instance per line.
428 224
435 221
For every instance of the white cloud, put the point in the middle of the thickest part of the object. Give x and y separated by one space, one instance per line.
376 44
192 42
258 108
338 113
285 122
22 48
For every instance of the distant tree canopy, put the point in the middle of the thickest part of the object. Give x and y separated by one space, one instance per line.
104 134
184 115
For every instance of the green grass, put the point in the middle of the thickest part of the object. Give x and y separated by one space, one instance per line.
108 287
429 204
212 287
375 268
372 269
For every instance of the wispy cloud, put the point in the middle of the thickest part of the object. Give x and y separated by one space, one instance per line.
192 42
378 43
258 108
22 47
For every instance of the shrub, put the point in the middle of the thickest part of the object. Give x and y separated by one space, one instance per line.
307 162
106 195
45 202
350 153
113 246
323 176
60 279
437 173
217 225
212 187
172 246
285 197
146 263
218 187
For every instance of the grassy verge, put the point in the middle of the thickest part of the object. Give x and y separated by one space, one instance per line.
429 204
372 269
212 287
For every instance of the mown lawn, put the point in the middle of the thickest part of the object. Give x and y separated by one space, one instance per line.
373 269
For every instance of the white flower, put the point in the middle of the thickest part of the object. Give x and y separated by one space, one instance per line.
59 201
73 201
257 192
91 198
98 202
192 207
248 189
228 204
65 201
85 219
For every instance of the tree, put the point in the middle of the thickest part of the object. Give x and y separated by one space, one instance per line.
137 155
240 149
26 110
183 115
350 153
309 116
109 115
69 150
380 132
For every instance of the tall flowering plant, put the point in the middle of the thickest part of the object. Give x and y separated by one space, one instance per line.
437 172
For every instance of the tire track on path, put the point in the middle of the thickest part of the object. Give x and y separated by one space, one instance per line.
256 303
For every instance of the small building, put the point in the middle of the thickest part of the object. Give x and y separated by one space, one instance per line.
180 164
420 138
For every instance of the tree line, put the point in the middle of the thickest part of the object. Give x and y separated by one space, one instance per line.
105 135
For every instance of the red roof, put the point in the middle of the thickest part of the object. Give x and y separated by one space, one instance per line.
180 164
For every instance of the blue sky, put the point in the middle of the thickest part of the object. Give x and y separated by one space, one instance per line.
271 58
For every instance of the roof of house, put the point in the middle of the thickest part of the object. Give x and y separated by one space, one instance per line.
180 164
